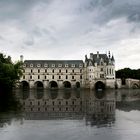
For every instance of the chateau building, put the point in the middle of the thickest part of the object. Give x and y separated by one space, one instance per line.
96 72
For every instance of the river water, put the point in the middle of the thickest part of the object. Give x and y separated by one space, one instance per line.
73 115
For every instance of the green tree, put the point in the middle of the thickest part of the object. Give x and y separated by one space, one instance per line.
128 73
9 72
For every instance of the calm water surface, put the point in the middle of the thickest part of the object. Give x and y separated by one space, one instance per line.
73 115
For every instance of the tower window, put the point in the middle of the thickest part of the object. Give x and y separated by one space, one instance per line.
101 69
52 76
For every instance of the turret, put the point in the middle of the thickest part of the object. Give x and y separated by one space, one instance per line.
97 54
91 56
21 58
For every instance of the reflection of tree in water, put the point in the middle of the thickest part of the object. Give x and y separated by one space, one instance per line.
9 102
39 93
128 106
7 117
53 93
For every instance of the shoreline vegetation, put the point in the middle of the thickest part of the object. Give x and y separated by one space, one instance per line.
9 73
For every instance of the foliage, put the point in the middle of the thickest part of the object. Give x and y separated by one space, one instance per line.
9 72
128 73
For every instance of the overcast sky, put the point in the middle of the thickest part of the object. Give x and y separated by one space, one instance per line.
69 29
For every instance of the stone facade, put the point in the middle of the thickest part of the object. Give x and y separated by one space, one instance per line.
98 71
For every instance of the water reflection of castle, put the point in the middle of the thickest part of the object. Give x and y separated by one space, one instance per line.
68 104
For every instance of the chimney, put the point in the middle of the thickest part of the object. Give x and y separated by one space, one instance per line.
21 58
91 56
97 54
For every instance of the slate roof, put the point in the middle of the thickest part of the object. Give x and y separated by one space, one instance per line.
96 58
55 62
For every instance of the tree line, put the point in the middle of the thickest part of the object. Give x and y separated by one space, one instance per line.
128 73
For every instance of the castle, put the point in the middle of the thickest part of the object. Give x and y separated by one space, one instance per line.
96 72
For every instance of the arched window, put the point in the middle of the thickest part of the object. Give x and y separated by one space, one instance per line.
52 76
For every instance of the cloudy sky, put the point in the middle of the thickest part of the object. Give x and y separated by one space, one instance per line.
69 29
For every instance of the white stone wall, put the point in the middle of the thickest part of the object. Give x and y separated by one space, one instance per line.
59 75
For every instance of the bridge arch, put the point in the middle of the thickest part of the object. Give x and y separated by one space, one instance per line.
38 84
99 85
135 85
24 84
53 84
67 84
77 84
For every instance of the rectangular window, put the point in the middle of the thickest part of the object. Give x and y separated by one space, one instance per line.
73 71
66 71
52 76
80 70
101 69
31 70
38 70
80 76
59 77
72 77
23 76
45 77
45 70
66 77
60 65
60 71
30 76
53 71
38 77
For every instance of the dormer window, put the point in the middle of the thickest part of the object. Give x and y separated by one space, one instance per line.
73 65
53 65
45 65
24 65
66 65
38 65
59 65
31 65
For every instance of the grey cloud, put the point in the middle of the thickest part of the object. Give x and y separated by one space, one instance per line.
17 9
107 10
